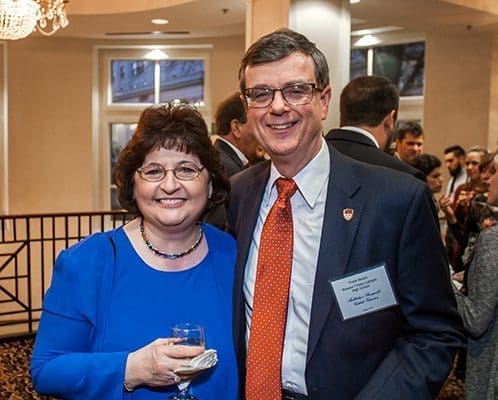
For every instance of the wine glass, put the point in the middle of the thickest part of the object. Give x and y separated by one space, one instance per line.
191 335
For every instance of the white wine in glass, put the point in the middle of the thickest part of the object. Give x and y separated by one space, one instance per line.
191 335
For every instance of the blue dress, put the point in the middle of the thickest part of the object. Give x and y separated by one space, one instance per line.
105 302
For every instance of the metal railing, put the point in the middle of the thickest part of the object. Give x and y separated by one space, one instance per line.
29 245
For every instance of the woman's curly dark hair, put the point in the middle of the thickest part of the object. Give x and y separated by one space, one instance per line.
173 127
426 163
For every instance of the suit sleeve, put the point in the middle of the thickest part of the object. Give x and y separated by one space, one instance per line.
422 357
63 362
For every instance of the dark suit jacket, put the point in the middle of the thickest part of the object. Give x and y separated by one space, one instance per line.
228 158
360 147
402 352
232 164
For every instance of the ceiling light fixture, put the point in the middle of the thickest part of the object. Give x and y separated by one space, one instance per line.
373 31
156 54
159 21
18 18
367 40
354 1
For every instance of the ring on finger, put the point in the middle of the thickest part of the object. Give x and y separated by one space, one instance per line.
177 379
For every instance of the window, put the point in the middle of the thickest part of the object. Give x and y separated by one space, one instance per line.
358 66
120 135
134 81
403 64
182 80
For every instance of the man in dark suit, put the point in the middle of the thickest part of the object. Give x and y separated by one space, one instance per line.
369 106
349 220
236 145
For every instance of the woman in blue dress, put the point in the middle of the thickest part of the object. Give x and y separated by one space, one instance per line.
105 325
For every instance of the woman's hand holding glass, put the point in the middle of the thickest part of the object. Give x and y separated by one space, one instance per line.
154 365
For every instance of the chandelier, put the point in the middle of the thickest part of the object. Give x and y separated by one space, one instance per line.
18 18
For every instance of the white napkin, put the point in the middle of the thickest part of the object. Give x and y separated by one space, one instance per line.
203 361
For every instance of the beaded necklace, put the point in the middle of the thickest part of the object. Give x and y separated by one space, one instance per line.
170 256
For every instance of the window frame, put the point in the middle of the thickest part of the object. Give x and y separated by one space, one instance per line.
107 113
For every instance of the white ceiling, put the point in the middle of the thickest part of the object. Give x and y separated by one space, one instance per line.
199 18
204 18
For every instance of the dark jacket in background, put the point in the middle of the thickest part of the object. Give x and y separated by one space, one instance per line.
361 148
228 158
232 164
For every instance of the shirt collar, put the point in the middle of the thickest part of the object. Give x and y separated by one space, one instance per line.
363 132
309 180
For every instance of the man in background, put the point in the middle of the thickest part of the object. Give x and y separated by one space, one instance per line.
454 159
236 145
409 141
368 107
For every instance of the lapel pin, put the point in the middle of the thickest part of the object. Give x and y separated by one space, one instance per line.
348 214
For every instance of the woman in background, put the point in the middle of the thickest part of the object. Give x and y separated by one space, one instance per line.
106 318
474 185
479 310
431 167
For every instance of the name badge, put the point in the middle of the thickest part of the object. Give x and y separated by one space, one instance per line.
365 292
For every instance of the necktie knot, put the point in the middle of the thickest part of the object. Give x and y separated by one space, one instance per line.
285 188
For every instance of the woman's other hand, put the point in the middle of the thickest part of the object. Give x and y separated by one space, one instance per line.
458 276
488 223
445 204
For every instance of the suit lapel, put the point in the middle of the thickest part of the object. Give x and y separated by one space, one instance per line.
248 210
337 238
222 146
248 203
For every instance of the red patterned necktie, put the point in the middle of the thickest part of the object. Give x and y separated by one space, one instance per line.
271 294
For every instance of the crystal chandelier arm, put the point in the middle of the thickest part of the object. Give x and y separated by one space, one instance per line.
51 16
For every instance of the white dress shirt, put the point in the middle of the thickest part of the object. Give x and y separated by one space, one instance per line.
460 179
308 207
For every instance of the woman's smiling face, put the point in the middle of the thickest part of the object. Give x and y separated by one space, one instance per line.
172 202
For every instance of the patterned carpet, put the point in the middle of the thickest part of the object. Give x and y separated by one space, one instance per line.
453 389
15 381
14 375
